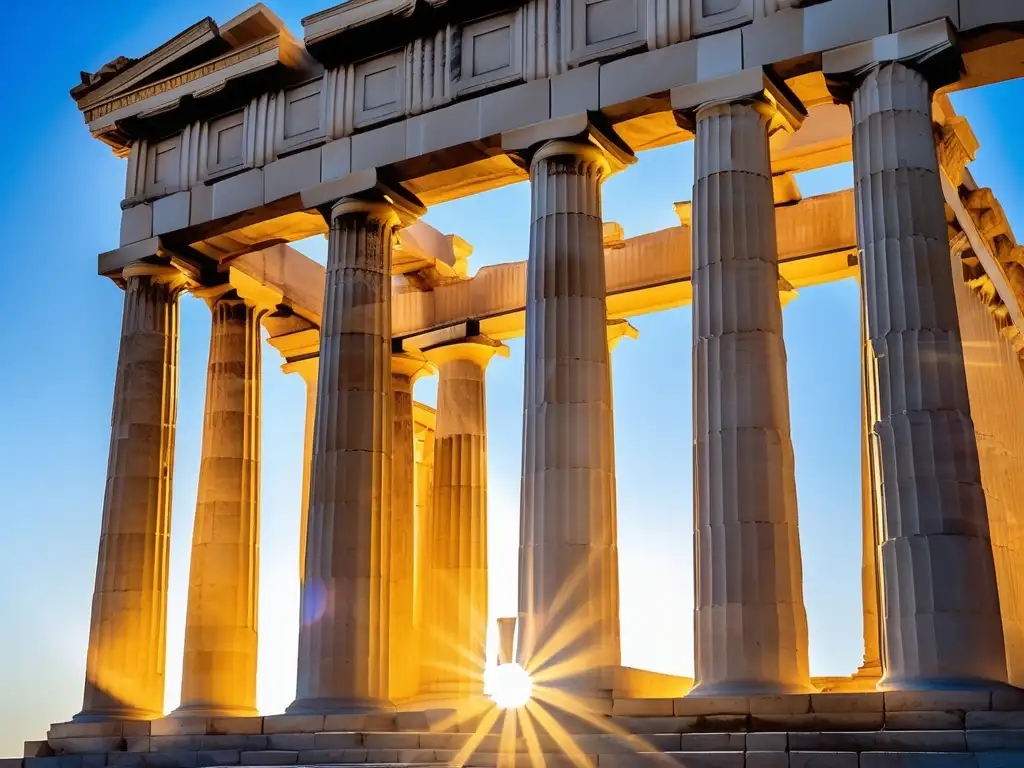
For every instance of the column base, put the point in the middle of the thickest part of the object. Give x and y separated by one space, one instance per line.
114 715
200 711
891 683
339 706
748 688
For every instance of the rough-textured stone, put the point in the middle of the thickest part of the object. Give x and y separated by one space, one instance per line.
642 707
991 720
235 725
751 636
759 759
937 701
179 726
916 760
43 748
218 757
391 740
712 742
847 702
290 742
293 724
127 644
719 705
337 741
992 740
796 704
269 757
767 742
924 721
823 760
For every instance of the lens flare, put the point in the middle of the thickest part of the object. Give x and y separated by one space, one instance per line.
508 685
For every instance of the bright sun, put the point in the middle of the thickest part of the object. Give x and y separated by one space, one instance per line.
509 686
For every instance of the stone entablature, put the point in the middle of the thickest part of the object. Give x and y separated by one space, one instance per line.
220 138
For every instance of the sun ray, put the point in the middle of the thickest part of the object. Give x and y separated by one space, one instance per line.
484 727
562 738
533 747
507 742
464 710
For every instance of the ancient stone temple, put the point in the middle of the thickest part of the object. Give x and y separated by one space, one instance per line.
242 137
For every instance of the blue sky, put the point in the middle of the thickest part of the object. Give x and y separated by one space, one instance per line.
59 208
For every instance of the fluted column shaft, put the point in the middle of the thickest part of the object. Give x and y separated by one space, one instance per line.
309 370
343 639
751 626
424 490
404 652
569 635
872 663
219 670
127 637
455 596
941 606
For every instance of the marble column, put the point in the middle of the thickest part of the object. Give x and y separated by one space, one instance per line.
617 331
219 669
343 637
569 634
751 626
308 369
942 625
871 667
406 368
455 594
127 636
424 422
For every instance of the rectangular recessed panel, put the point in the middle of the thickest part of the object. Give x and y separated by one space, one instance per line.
302 115
229 145
165 165
608 19
492 51
380 88
711 7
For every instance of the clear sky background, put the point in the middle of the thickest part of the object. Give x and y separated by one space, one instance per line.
59 198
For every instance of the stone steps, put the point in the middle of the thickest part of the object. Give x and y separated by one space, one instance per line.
419 757
799 749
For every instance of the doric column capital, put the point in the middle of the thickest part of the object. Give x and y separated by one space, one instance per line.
411 365
619 330
477 349
366 192
754 87
158 274
584 136
930 49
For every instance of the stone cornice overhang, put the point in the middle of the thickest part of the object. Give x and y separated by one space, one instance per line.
193 46
225 83
358 29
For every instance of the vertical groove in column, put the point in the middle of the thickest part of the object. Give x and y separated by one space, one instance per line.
941 607
127 637
872 663
424 488
569 634
219 669
343 637
455 596
751 626
404 645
